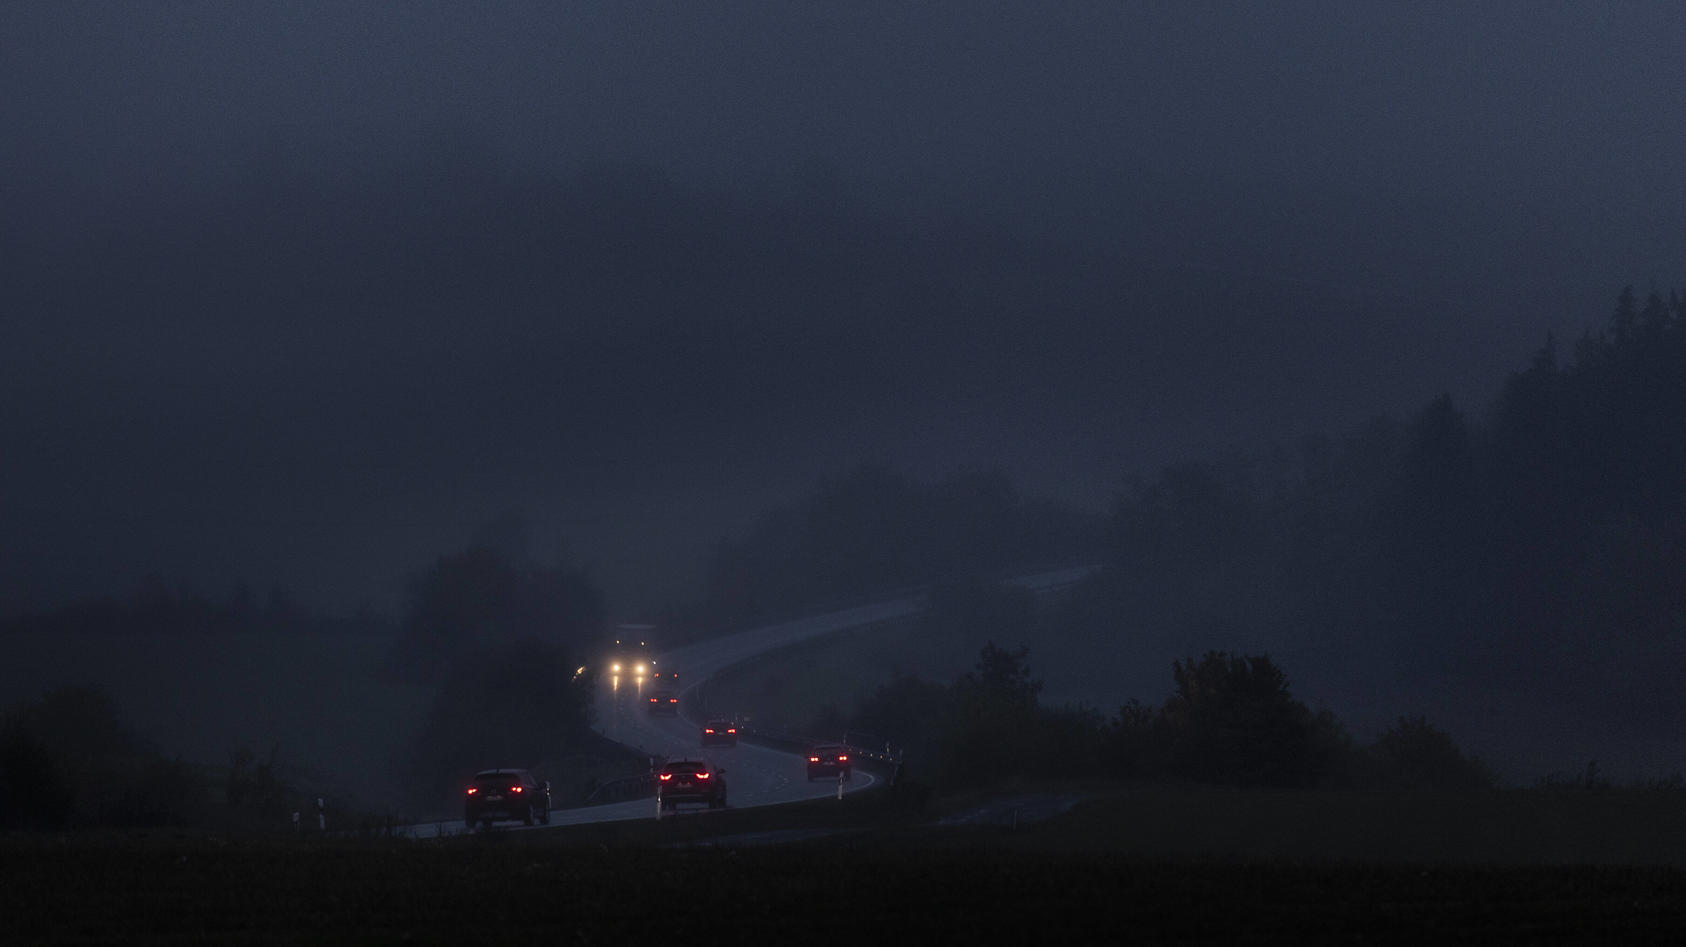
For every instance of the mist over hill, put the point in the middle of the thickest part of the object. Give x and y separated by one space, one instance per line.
745 308
316 382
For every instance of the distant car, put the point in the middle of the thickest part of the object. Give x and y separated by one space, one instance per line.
627 662
663 702
720 733
691 781
670 678
628 655
506 795
828 762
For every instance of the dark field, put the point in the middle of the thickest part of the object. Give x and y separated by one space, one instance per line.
1104 873
351 893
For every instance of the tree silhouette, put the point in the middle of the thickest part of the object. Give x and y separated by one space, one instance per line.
1232 721
993 720
477 599
1414 754
519 706
71 742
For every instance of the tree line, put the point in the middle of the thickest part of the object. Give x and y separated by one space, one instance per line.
492 638
1230 720
67 760
1539 548
1534 550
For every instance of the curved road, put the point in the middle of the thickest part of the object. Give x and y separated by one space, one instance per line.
755 775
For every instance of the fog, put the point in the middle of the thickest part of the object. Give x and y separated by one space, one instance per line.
304 296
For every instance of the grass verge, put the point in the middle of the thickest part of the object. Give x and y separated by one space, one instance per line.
1152 864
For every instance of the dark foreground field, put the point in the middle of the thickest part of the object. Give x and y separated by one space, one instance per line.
712 878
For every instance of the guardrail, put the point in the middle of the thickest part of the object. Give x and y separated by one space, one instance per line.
879 761
624 789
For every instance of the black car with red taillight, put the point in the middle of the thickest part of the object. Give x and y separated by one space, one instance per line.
691 781
828 762
506 795
664 702
720 733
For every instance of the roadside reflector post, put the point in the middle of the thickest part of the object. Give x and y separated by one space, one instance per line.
658 802
840 785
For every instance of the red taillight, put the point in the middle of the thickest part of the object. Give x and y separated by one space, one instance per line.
708 729
665 777
702 775
673 700
515 789
731 729
653 700
842 759
472 790
813 759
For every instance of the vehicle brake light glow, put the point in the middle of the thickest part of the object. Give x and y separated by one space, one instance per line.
708 729
665 777
472 790
731 729
702 775
843 759
515 789
813 759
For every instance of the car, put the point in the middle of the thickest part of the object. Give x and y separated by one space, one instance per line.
720 733
664 702
828 761
691 781
506 795
628 656
670 678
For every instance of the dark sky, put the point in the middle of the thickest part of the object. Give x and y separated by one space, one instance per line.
306 294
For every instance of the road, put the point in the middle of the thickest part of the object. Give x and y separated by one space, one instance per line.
755 775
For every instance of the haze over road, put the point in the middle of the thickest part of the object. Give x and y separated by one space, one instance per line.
755 775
